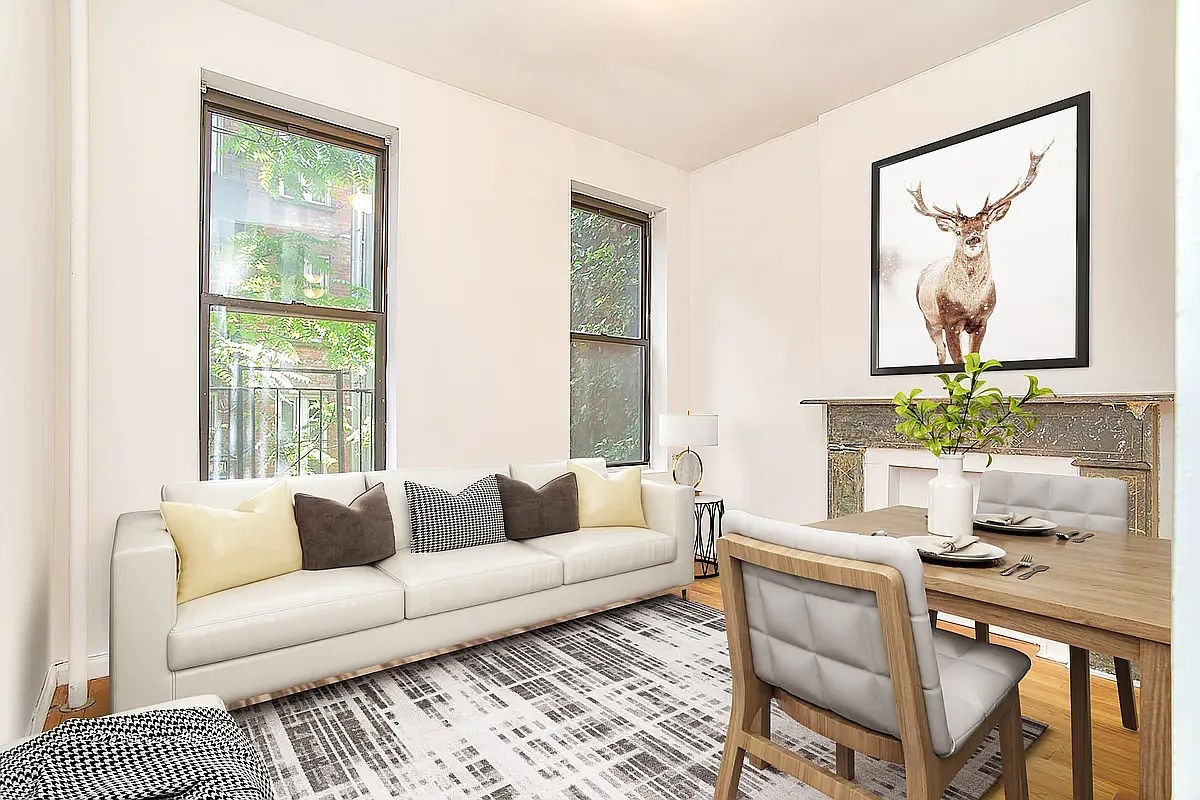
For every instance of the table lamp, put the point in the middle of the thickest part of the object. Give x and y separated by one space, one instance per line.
686 430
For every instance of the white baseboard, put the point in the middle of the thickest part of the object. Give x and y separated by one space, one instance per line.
56 675
45 696
97 667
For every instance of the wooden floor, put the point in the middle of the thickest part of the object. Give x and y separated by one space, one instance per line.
1043 697
97 690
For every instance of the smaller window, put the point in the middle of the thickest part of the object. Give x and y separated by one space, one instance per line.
610 332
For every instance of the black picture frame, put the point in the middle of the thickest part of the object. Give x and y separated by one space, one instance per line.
1081 358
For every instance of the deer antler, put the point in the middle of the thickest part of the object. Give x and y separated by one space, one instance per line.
1034 160
937 212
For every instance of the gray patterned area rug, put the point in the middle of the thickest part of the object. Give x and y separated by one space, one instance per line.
630 703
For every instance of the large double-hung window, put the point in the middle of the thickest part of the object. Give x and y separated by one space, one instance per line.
292 303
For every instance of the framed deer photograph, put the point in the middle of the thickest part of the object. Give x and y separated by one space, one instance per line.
980 244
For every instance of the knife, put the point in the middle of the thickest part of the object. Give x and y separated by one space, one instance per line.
1080 537
1027 575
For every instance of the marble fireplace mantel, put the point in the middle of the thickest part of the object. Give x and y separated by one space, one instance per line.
1109 435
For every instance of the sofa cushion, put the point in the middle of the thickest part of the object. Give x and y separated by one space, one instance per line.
227 494
539 473
599 552
452 579
452 479
291 609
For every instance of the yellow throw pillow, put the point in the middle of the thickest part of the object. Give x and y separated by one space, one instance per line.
609 501
221 548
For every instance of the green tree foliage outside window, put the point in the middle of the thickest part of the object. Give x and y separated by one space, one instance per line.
294 165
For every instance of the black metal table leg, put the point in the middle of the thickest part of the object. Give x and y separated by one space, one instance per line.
709 510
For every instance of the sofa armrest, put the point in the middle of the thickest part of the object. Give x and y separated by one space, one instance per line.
141 611
670 508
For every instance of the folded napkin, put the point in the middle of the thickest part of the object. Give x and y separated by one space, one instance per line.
948 546
1003 519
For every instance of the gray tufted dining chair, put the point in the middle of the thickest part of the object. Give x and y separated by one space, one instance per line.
833 627
1096 504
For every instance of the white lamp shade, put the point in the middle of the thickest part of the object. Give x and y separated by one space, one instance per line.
687 430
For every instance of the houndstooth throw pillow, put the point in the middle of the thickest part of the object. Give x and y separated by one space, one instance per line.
442 520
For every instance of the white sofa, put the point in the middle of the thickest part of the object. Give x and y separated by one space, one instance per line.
307 626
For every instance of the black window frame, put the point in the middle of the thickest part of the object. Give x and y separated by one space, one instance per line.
642 220
224 104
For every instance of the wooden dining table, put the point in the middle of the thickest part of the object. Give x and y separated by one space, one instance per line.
1110 594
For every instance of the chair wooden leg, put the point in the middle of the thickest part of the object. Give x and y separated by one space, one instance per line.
750 700
981 631
933 619
1081 724
845 761
750 713
1012 753
762 724
921 781
730 774
1125 693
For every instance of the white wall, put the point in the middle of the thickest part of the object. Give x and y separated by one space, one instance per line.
1121 51
756 333
479 370
27 332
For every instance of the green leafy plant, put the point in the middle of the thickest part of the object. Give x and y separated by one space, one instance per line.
975 416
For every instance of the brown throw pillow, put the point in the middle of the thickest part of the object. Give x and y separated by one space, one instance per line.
333 534
530 512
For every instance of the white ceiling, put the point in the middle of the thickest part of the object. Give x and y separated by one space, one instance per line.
685 81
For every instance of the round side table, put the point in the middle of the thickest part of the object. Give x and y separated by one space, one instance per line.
710 509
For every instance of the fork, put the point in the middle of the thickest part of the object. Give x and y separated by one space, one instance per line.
1026 561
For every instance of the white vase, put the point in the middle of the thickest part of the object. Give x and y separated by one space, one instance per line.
951 502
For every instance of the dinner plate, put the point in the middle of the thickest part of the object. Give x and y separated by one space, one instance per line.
974 553
1033 525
